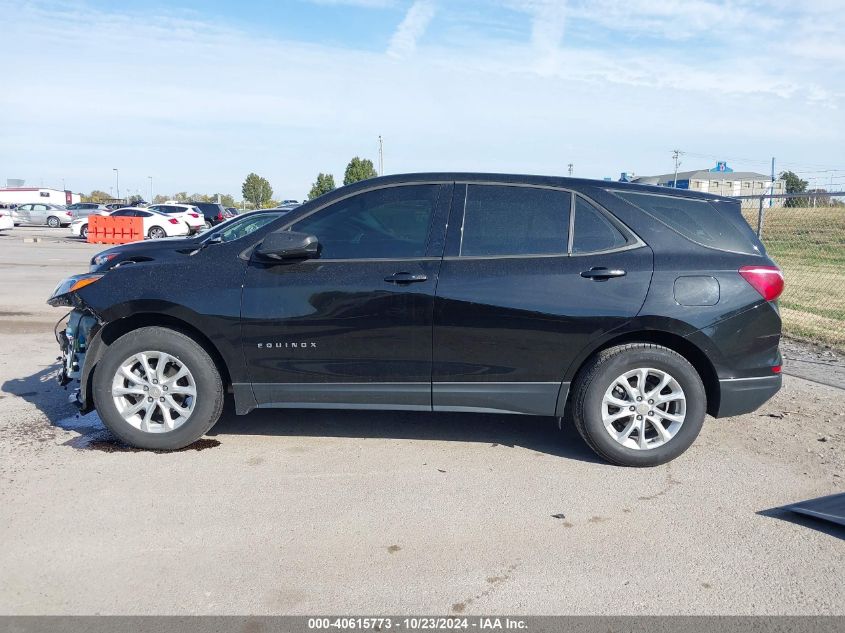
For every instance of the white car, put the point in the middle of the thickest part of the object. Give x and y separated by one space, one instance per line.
156 225
6 221
189 214
79 227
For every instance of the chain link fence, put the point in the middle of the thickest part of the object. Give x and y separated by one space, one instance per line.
805 235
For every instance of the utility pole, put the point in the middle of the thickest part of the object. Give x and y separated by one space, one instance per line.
676 154
116 181
151 188
380 155
570 169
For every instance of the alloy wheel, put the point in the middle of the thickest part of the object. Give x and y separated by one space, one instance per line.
154 392
643 408
156 233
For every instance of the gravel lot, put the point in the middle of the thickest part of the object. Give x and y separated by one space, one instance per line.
379 512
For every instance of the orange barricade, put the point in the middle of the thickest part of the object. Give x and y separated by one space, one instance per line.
104 229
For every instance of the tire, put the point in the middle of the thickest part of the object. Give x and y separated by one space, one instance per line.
156 233
83 232
53 222
598 383
157 343
208 224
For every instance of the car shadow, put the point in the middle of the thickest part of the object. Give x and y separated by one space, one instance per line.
539 434
820 525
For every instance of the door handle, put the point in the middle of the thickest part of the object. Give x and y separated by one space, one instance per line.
600 273
405 278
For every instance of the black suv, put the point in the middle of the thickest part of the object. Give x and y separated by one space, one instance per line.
214 213
633 310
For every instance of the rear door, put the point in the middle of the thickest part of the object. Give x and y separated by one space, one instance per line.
531 275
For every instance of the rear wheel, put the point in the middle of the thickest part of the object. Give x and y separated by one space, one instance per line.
156 233
53 222
639 404
157 388
83 232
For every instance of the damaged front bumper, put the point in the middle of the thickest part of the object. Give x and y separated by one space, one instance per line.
75 341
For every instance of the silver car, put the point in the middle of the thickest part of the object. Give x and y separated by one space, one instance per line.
84 209
42 213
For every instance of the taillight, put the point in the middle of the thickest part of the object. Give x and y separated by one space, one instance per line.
194 215
776 369
69 214
173 221
767 280
219 216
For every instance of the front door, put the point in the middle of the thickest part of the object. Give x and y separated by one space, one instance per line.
352 327
531 275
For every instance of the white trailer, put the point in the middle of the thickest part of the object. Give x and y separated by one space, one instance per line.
24 195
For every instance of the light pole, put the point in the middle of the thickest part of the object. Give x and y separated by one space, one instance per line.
570 169
151 188
676 154
116 181
380 156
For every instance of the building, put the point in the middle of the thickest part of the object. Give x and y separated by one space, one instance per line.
723 181
24 195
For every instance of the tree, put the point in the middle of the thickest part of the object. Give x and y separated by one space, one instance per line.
96 196
794 184
226 200
182 196
323 184
201 197
134 199
160 199
359 169
257 190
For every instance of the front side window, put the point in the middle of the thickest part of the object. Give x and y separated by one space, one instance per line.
381 224
593 231
506 220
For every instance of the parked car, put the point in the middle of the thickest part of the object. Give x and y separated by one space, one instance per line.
84 209
213 213
6 221
79 227
176 249
114 206
156 225
41 213
632 309
188 213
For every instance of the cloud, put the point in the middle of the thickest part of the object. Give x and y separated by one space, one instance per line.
364 4
199 103
411 29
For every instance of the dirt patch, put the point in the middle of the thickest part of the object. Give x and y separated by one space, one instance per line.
114 446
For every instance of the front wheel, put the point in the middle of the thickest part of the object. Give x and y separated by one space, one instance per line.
156 233
639 404
156 388
83 232
53 222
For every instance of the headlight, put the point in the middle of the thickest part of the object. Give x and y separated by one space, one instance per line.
101 259
69 285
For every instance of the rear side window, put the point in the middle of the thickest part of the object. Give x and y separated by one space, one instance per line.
503 220
593 231
712 224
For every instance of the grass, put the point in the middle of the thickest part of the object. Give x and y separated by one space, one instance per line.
809 245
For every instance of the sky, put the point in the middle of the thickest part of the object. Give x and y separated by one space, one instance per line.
199 93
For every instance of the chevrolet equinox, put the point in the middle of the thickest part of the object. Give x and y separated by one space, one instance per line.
632 310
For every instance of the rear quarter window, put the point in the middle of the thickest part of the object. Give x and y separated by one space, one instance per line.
715 224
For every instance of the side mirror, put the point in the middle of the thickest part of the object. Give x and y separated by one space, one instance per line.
287 245
214 239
